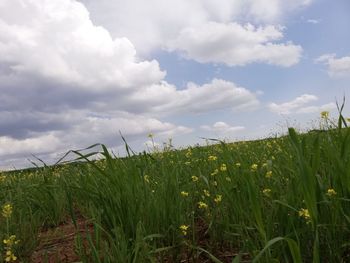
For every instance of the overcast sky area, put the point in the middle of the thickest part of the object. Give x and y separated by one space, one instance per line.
74 73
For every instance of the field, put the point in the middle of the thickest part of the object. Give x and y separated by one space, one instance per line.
283 199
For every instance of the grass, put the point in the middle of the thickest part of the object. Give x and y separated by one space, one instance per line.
275 200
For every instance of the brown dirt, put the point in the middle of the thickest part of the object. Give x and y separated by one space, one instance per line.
58 244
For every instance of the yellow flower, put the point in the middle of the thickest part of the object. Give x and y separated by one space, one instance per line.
184 229
183 193
254 167
194 178
238 164
11 241
304 213
206 192
216 171
7 210
188 153
10 256
324 114
187 163
268 174
223 168
215 183
267 191
218 199
331 192
202 205
150 135
212 158
146 178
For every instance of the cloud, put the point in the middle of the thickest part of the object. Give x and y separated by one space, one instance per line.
297 106
268 11
43 144
69 80
313 21
160 20
66 84
336 67
82 130
221 127
218 94
317 109
56 40
236 45
52 50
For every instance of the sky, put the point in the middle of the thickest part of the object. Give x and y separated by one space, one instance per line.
75 73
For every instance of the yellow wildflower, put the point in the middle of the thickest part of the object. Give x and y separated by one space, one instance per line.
223 168
218 199
215 183
268 174
184 229
187 163
206 192
188 153
238 165
254 167
194 178
324 114
304 213
146 178
10 256
202 205
212 158
183 193
267 191
11 241
331 192
7 210
216 171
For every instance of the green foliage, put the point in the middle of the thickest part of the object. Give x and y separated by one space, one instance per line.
281 199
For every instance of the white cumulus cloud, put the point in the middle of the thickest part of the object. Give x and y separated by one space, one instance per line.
218 94
42 144
56 40
299 105
336 67
221 127
160 20
236 45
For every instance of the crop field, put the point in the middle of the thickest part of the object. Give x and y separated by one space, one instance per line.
283 199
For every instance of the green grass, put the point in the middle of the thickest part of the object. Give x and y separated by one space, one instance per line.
281 199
